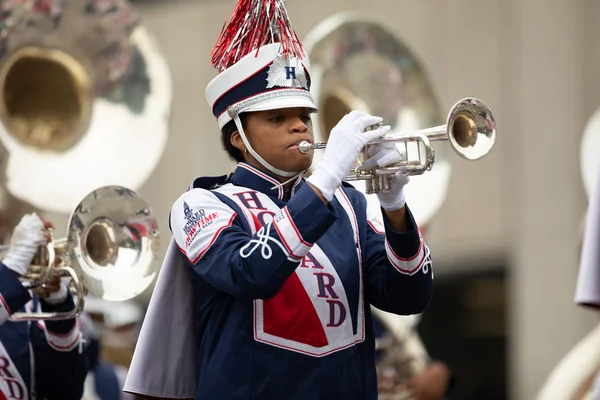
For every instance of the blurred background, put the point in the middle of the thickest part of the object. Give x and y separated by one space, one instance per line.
505 237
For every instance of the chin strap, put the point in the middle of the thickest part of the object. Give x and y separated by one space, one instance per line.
258 158
289 180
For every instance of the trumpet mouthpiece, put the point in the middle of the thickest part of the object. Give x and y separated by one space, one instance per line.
304 147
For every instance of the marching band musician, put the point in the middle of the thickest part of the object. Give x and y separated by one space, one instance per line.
587 292
404 369
40 359
577 375
104 380
283 270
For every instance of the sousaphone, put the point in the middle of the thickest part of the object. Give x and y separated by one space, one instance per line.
590 152
577 375
85 98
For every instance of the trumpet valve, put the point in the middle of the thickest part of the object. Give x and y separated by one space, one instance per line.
35 273
373 127
370 186
384 183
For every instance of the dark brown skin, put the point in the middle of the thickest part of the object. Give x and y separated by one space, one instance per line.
432 383
275 134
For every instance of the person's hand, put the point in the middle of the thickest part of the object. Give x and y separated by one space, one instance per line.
25 241
53 292
382 155
345 143
432 384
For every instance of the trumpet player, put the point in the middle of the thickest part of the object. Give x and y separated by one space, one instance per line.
282 270
42 360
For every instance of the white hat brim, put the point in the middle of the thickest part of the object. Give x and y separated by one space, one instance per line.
274 104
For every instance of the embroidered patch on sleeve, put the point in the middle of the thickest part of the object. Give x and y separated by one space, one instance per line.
197 219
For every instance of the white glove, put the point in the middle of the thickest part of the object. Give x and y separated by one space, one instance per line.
343 147
26 239
59 296
381 155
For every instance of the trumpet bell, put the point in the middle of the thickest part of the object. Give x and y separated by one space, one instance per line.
85 99
471 129
113 242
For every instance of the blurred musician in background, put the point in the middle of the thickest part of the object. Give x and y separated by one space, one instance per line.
42 360
405 370
577 375
104 320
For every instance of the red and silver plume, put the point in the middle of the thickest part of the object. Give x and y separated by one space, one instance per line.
253 24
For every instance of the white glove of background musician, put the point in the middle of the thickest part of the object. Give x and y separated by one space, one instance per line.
26 238
25 241
343 147
382 155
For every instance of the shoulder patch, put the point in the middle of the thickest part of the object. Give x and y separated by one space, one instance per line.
197 219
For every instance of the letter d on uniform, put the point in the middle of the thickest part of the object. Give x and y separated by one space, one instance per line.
337 313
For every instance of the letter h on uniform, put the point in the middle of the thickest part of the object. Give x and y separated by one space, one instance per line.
250 200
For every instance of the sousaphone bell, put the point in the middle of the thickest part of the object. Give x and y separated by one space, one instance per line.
85 98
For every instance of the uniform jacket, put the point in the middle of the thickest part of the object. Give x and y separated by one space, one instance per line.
281 288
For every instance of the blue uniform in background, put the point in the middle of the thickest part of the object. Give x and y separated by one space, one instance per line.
38 360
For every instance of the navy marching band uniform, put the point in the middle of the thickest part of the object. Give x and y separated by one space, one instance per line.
281 278
38 359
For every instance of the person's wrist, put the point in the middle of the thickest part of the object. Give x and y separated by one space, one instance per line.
318 192
392 201
325 181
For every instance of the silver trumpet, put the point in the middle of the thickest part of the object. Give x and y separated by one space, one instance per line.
470 128
110 250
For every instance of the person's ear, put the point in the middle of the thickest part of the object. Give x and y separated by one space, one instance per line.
237 142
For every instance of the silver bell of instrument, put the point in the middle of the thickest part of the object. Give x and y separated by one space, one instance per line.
110 250
85 98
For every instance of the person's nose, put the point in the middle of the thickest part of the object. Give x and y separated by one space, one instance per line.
298 126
